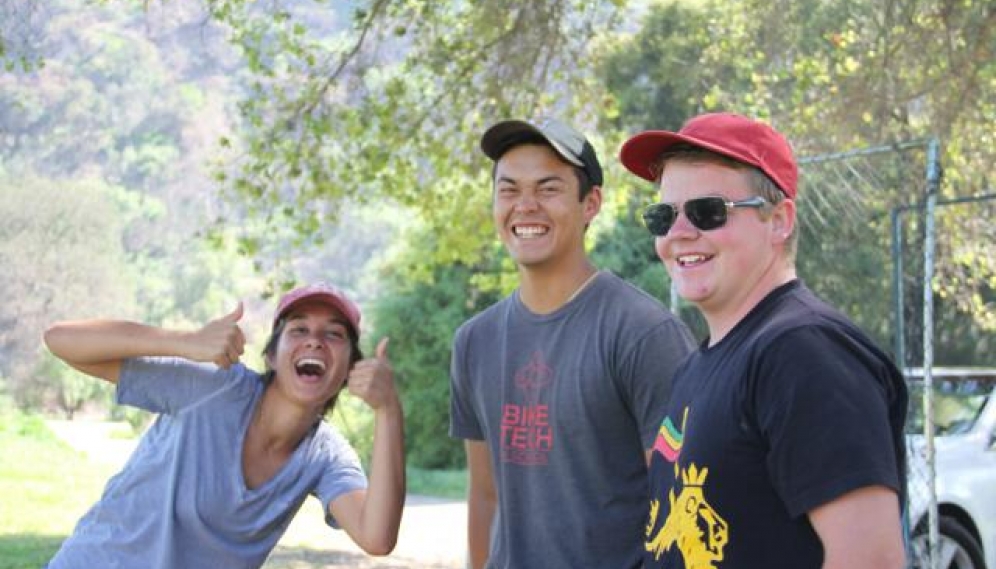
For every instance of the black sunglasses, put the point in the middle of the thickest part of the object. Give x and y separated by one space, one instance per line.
704 213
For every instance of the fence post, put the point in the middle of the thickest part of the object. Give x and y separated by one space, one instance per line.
933 185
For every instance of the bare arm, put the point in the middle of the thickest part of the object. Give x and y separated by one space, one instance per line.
861 530
97 347
372 517
482 499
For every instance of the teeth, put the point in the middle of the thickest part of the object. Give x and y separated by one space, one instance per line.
690 259
529 230
305 363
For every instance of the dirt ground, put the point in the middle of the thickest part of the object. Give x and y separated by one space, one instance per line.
433 531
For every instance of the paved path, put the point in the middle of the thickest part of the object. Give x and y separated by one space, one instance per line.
433 531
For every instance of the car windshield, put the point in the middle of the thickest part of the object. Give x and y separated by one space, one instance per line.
958 400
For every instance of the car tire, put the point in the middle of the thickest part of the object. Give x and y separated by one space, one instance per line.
958 548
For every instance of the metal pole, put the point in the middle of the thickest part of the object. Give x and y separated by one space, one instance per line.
933 185
899 326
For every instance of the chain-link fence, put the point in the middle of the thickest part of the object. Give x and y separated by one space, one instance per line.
875 232
877 225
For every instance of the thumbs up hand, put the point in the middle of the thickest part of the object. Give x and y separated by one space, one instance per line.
372 379
220 341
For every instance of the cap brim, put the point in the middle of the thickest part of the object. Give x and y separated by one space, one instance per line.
327 299
497 140
640 153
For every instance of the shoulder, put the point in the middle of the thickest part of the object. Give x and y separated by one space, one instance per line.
613 295
485 321
809 335
798 313
331 445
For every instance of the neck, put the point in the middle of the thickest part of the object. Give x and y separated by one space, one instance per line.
720 323
281 426
544 292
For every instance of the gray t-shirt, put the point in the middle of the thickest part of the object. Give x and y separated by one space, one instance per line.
568 402
181 500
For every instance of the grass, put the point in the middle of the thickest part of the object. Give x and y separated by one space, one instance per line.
45 486
439 483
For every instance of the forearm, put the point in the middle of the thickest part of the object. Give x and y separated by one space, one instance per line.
482 500
385 496
480 515
100 341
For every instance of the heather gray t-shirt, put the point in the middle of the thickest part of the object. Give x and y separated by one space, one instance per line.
181 500
568 402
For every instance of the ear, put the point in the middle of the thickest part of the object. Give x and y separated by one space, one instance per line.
592 204
783 218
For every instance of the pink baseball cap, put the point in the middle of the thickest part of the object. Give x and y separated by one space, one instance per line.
320 292
732 135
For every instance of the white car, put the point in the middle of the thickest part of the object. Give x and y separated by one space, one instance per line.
965 459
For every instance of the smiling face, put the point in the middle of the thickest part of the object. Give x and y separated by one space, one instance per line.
312 355
724 271
537 209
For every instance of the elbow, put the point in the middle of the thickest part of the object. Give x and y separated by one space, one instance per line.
50 336
380 546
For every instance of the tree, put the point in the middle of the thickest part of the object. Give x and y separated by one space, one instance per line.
390 105
61 249
838 76
420 318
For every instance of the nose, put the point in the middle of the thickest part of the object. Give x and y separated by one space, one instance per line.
314 340
526 202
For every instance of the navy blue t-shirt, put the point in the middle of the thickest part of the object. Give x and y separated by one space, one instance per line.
792 409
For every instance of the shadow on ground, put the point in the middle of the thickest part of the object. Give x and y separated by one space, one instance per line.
27 551
306 558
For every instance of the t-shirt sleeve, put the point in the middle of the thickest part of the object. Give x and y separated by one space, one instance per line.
823 408
464 423
167 385
342 474
647 373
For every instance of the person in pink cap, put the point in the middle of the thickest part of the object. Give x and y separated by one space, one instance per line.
232 455
782 443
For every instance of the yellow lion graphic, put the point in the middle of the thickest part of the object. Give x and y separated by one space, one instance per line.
699 531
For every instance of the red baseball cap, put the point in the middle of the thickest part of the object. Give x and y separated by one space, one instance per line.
732 135
320 292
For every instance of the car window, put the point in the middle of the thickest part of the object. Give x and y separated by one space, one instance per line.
958 401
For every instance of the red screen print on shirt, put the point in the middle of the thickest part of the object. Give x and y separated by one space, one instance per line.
526 434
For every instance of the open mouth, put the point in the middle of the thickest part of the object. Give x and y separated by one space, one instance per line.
310 367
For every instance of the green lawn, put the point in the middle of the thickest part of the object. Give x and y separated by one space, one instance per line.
440 483
45 486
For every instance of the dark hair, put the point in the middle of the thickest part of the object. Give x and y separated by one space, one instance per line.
584 181
273 342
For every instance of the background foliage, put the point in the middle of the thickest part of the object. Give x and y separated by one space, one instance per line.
159 160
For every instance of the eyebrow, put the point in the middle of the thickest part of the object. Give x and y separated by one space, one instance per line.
551 178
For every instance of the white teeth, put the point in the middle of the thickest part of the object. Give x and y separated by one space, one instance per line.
311 361
690 259
529 230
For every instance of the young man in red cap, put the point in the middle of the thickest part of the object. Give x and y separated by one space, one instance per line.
782 444
216 480
557 389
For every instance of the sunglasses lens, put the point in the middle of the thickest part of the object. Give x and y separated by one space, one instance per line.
706 213
659 218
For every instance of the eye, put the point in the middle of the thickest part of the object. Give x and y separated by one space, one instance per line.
335 334
297 330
